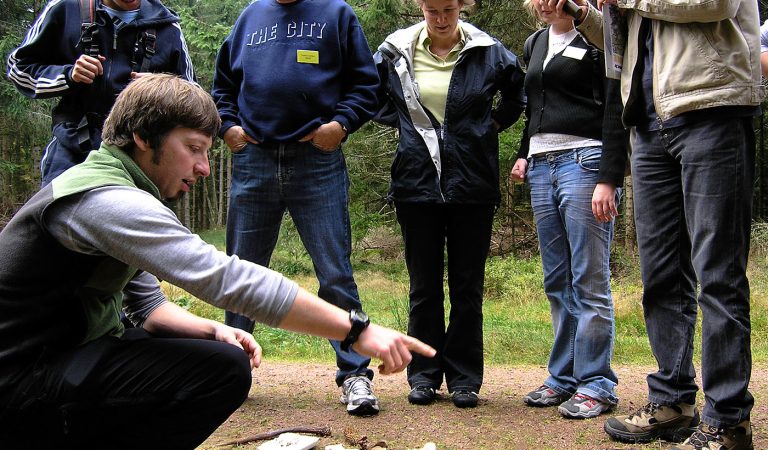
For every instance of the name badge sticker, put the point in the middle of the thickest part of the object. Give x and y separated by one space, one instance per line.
574 52
308 56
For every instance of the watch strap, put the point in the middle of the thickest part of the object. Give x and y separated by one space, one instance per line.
358 325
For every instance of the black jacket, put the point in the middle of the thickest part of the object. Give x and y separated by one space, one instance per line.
457 162
573 96
41 66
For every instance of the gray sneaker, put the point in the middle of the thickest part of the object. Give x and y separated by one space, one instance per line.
582 406
357 394
710 438
673 423
544 396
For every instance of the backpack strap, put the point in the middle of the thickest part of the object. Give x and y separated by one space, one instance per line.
89 31
146 39
87 11
150 39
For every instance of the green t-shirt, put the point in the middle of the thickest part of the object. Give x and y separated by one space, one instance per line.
433 73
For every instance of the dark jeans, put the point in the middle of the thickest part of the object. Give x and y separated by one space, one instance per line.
134 392
313 186
465 230
693 205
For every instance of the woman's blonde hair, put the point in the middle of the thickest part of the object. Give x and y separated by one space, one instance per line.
528 5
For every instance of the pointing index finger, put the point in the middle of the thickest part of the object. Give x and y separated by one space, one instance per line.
419 347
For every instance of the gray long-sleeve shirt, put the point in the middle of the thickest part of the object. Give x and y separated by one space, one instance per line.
137 229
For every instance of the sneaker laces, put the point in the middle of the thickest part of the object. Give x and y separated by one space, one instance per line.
649 409
704 435
360 386
544 390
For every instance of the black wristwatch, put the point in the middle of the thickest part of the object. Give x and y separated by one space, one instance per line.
360 322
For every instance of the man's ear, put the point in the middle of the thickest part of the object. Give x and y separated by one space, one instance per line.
141 144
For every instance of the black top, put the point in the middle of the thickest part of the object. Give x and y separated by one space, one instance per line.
573 96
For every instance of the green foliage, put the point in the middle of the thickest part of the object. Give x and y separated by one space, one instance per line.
504 20
379 18
215 237
515 280
517 321
509 143
289 258
206 23
507 21
24 124
369 154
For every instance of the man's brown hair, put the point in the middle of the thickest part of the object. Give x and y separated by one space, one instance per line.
153 105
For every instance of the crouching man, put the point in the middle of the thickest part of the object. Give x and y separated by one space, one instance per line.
70 375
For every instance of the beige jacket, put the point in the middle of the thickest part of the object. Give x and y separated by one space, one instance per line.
707 53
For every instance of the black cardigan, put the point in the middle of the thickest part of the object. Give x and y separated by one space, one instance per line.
574 97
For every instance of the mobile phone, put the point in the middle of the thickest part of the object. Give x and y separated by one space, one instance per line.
572 9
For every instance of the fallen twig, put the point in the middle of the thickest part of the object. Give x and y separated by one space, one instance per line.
318 431
362 442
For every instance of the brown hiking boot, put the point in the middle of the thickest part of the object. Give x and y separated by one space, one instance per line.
653 421
710 438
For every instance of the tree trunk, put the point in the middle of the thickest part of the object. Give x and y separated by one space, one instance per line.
185 211
229 181
630 237
222 164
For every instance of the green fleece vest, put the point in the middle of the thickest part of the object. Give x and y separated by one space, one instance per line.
101 296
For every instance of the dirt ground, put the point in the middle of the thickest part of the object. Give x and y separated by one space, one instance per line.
292 394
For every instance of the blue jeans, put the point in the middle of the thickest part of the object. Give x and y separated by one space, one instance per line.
313 186
693 210
575 252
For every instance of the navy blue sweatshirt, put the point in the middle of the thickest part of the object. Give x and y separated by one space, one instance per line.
286 69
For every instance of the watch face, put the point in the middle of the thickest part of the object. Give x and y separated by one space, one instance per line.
359 316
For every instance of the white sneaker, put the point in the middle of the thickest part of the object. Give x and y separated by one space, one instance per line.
357 394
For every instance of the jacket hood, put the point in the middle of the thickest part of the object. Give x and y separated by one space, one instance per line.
405 39
152 13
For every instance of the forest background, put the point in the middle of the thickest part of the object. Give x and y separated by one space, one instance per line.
517 322
517 328
25 125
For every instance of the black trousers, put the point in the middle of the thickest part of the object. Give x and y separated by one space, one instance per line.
137 391
465 231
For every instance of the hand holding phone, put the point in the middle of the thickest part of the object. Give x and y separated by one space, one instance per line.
572 9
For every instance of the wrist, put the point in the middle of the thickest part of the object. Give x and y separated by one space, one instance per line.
343 127
359 322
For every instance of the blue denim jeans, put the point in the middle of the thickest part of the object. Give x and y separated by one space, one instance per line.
575 254
313 186
693 210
